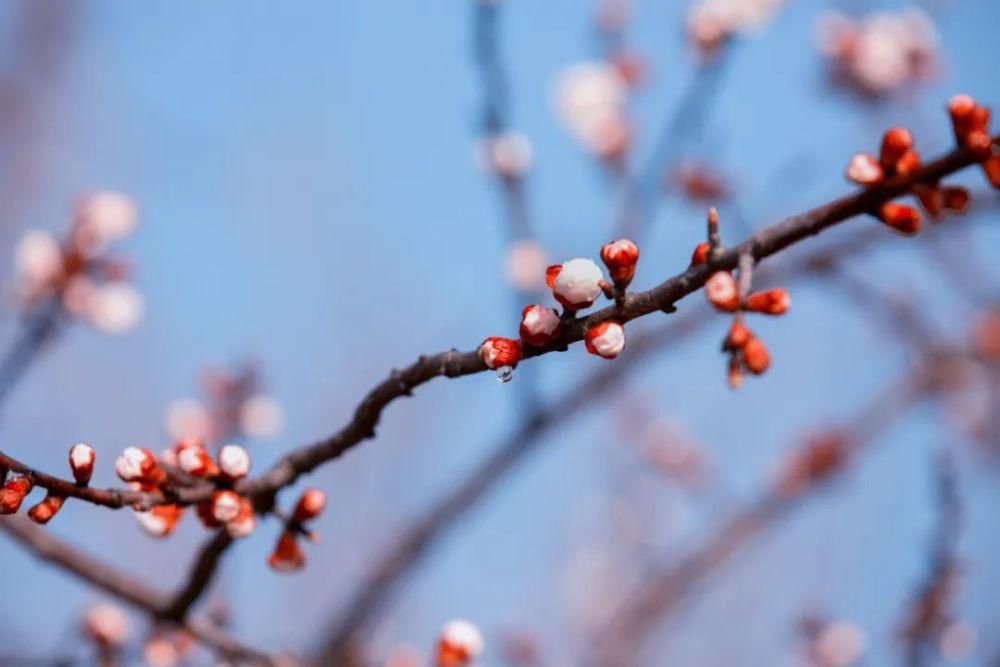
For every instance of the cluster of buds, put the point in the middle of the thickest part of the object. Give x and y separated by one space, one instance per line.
818 459
713 23
897 157
77 272
16 487
970 122
288 555
590 100
234 406
576 285
747 353
459 644
880 54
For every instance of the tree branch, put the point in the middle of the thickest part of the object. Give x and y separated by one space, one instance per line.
201 575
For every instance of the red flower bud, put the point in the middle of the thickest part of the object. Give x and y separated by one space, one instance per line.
970 122
45 510
551 273
902 218
137 464
459 645
225 505
956 198
738 335
161 520
606 339
771 302
81 462
539 325
895 144
865 170
620 257
234 462
245 522
311 503
722 292
13 492
497 352
193 459
287 555
909 162
755 356
206 514
700 254
991 167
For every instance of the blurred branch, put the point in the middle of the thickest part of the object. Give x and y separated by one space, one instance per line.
39 329
133 591
201 575
929 612
665 586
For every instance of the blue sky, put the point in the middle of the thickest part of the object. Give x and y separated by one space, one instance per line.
309 199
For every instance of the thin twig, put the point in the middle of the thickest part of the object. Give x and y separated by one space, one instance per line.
201 575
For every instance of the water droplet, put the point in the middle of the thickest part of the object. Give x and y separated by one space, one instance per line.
505 374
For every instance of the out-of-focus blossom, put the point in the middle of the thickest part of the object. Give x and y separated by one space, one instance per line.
188 418
103 218
590 101
956 641
711 23
38 259
459 644
116 307
261 417
882 53
105 624
525 264
839 643
508 154
159 521
699 182
404 655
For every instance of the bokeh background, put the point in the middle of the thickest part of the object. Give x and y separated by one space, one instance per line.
310 200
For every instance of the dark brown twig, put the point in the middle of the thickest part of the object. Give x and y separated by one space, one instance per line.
201 575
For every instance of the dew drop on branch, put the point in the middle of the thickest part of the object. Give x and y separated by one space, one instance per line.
505 374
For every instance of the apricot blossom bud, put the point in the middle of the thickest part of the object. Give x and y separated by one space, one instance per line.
311 503
722 291
770 302
460 644
606 339
901 217
620 257
159 521
865 170
700 254
137 464
576 284
539 325
225 505
193 459
234 461
497 352
45 510
738 335
970 121
755 356
13 492
81 462
896 143
245 522
105 624
287 555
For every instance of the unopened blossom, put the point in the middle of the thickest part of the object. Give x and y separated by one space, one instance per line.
116 307
13 493
864 169
882 53
102 218
260 416
508 153
497 352
137 464
620 257
524 264
309 506
81 462
901 217
590 101
105 624
459 644
755 356
576 284
700 254
606 339
722 292
245 522
234 461
46 509
39 261
194 459
159 521
970 122
770 302
287 555
839 644
225 505
539 325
